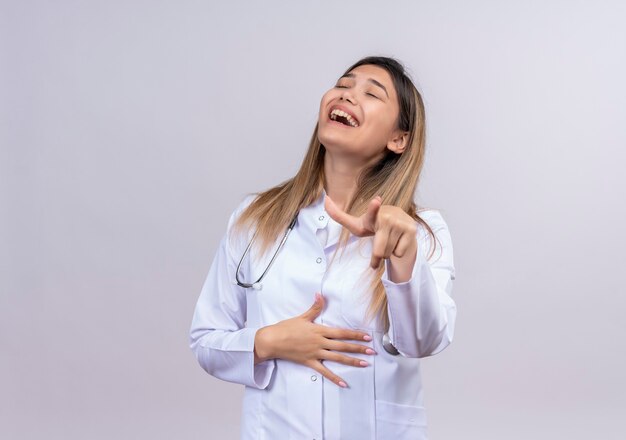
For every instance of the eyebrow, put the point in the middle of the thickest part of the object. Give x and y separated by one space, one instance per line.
372 80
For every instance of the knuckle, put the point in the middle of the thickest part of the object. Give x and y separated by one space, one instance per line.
348 347
347 360
358 348
328 332
347 334
317 330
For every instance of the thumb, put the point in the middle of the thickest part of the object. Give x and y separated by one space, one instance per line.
315 309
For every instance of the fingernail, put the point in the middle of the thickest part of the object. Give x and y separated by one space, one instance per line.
367 337
342 384
370 351
318 296
364 363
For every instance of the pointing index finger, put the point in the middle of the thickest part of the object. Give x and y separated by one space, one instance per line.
350 222
369 219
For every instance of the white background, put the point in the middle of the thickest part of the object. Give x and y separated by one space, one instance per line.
130 130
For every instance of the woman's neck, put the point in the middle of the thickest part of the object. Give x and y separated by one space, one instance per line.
341 173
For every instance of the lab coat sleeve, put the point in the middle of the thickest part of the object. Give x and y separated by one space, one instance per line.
421 311
223 346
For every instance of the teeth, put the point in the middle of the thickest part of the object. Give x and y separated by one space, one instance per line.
336 112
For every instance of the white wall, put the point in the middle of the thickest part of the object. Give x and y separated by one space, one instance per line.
129 130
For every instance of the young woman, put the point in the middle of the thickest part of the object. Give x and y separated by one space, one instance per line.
328 344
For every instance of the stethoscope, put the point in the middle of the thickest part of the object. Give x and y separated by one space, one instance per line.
257 285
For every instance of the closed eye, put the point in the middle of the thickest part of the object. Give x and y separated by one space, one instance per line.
370 94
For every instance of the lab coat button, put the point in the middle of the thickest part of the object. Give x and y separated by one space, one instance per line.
319 260
314 378
321 218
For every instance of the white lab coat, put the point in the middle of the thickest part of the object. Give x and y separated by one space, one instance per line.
286 400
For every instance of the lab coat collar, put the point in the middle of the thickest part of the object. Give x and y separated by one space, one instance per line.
316 217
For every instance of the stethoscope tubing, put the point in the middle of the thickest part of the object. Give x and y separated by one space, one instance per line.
257 284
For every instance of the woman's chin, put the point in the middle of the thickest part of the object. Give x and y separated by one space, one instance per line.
334 141
335 145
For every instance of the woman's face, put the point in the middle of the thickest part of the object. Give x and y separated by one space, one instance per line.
368 95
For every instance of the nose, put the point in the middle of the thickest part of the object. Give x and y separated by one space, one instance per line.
347 96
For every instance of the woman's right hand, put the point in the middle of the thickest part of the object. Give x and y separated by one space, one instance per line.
300 340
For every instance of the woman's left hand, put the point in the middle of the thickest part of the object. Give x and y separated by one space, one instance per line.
393 229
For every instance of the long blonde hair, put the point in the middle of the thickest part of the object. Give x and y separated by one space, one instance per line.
394 178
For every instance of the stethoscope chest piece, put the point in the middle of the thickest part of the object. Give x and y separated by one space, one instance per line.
388 346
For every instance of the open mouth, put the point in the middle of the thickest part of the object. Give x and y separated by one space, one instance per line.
343 118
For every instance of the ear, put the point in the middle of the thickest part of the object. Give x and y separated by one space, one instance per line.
398 142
